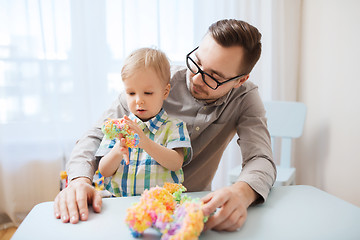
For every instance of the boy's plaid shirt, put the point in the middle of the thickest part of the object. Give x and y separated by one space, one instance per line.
143 171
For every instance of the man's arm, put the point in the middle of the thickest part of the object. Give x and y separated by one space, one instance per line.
258 170
82 162
258 167
71 204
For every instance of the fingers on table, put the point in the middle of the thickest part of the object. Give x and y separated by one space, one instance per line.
97 202
229 216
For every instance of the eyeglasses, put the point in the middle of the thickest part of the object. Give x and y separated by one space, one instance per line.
209 80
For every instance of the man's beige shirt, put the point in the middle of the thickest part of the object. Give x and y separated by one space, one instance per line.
211 128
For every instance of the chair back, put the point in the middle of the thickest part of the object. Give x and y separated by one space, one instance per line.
285 122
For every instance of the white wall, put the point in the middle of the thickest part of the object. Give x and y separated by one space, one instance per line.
328 153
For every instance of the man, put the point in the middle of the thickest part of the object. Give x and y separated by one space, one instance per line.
213 97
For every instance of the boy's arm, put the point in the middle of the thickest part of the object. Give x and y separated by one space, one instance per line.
171 159
111 161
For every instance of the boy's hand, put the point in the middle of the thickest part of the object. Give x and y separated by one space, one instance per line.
121 149
135 127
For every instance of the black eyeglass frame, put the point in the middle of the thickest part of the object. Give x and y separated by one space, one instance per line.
205 73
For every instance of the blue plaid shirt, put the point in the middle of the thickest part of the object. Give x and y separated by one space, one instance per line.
143 171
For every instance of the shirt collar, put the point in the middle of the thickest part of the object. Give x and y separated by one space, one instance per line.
152 124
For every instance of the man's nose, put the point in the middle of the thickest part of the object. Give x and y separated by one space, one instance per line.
198 79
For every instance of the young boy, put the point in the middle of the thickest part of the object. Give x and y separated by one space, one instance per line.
164 145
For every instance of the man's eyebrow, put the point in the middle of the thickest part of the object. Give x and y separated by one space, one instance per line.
212 70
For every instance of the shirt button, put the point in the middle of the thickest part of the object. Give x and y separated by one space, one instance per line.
197 128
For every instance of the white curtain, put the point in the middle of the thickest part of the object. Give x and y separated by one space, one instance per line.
60 63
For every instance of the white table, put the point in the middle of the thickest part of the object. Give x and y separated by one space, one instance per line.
291 212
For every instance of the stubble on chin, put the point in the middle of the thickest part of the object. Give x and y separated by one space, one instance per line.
198 92
201 95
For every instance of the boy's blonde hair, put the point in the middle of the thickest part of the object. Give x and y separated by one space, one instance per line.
147 58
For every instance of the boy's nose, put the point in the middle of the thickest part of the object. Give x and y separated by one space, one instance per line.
139 101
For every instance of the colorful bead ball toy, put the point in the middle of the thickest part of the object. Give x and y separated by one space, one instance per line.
112 129
164 209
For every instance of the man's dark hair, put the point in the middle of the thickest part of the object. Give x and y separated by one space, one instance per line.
232 32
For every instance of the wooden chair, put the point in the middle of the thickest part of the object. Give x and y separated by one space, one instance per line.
285 122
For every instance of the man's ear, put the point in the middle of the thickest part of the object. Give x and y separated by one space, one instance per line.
167 91
242 80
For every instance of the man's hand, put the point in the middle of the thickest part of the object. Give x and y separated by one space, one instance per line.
231 204
72 202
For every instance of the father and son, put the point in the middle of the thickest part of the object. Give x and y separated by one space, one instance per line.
185 118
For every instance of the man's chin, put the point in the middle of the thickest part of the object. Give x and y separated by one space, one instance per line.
201 97
197 94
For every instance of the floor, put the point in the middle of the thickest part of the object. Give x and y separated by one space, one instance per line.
6 234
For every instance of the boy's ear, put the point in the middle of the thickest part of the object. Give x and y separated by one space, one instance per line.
167 91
